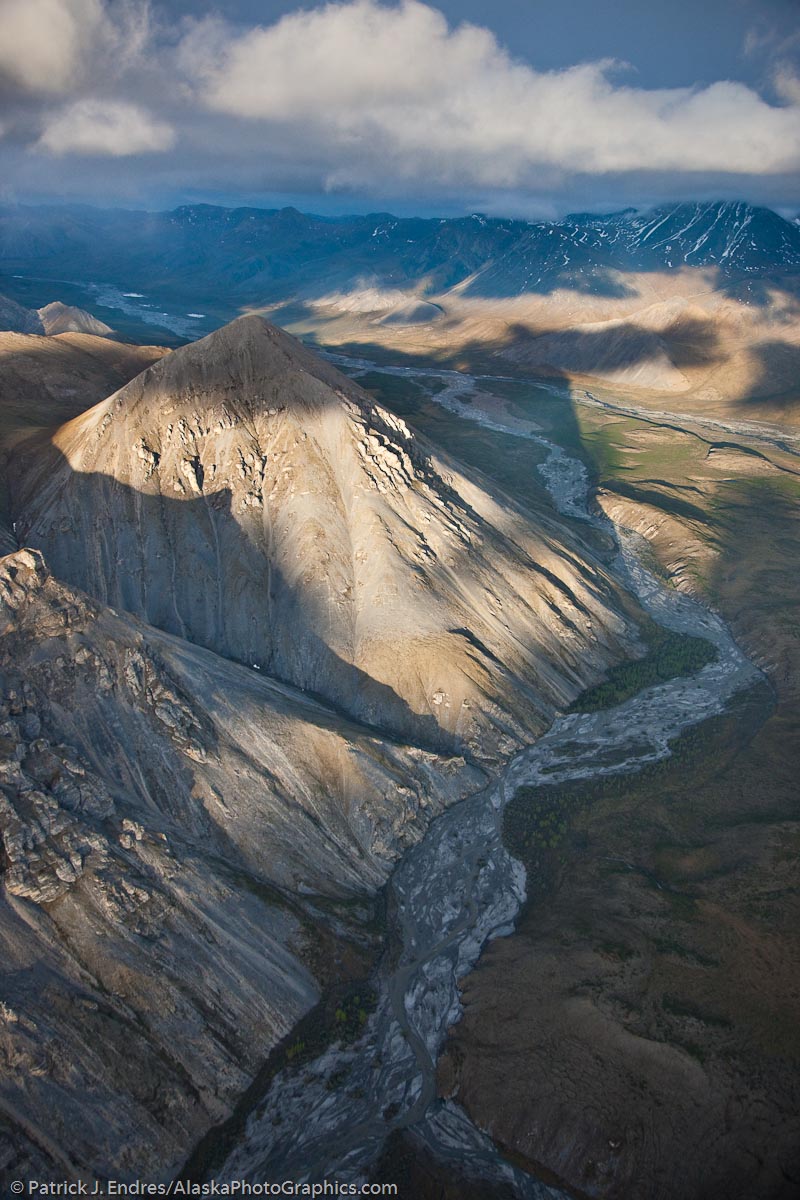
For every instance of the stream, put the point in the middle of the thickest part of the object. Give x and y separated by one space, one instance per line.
459 888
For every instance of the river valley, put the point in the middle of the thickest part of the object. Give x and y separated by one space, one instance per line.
459 888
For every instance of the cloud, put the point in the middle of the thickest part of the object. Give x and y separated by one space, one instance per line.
384 101
786 82
51 46
43 41
395 89
104 127
83 52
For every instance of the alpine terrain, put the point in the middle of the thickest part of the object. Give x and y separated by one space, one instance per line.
256 634
398 725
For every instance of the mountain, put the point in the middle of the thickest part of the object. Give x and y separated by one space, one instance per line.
699 299
245 496
18 319
48 380
259 255
66 318
188 855
250 623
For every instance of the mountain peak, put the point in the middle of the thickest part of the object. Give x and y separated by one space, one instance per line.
242 367
253 500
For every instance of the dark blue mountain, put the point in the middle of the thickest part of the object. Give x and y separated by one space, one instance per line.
253 255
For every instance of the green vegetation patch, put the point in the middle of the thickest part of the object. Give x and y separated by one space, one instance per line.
398 392
536 821
678 1007
340 1020
340 1016
668 656
539 823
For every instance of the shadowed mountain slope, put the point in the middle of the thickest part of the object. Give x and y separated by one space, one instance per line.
256 255
187 855
246 496
47 380
17 318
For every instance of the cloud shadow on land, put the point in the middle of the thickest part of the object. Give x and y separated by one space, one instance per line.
207 255
773 358
199 569
556 352
530 352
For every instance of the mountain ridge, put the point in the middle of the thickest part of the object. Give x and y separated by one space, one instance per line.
244 494
267 254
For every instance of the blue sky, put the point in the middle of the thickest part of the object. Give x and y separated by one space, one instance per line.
522 108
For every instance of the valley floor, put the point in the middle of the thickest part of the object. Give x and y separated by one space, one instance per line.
636 1037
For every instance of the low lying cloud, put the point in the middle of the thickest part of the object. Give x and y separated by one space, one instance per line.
396 88
103 127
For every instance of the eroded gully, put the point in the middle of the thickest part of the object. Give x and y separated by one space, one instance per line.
459 888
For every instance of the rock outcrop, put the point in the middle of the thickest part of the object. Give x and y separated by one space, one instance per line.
178 835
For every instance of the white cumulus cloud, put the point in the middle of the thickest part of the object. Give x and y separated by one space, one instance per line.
382 99
373 89
786 82
104 127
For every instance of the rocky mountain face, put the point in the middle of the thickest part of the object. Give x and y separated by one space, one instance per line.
584 251
208 576
177 832
243 495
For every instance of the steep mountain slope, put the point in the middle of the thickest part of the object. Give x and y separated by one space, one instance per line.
734 236
57 317
246 496
47 380
178 834
18 319
190 848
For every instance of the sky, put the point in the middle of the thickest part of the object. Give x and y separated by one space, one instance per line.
519 107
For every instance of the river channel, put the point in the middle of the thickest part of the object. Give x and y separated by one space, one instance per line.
459 888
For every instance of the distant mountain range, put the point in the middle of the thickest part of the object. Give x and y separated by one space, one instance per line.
256 255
